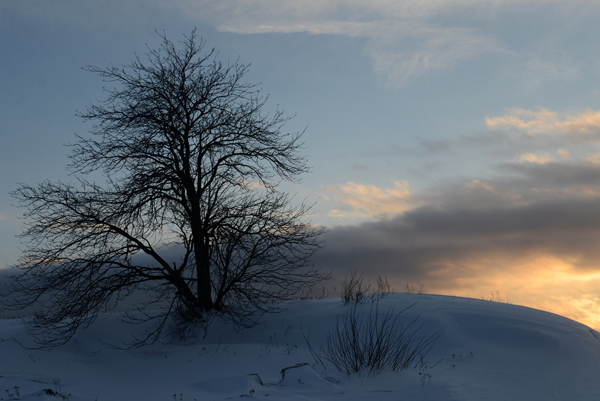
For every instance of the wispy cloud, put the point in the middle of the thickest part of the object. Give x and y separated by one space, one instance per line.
400 49
411 38
405 52
403 42
405 39
545 67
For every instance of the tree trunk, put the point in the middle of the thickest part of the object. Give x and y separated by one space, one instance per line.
204 295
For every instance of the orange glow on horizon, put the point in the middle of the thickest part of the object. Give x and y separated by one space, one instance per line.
544 283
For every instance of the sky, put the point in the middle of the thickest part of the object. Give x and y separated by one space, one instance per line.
453 143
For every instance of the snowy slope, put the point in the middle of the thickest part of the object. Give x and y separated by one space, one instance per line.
488 351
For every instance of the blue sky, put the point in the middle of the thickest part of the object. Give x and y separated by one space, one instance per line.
454 143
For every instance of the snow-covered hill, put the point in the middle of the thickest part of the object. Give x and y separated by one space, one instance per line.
488 351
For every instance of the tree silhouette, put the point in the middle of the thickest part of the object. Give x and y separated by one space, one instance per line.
190 163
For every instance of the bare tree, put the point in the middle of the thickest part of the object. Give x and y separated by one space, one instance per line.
190 161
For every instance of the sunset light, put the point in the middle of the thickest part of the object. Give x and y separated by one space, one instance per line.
451 144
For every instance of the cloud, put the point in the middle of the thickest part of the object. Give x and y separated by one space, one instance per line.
530 229
460 249
545 121
357 200
533 158
545 158
405 39
592 159
546 60
400 49
524 206
530 121
406 52
534 136
563 154
411 38
478 185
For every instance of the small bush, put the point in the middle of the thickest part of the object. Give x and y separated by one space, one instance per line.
374 342
355 291
411 289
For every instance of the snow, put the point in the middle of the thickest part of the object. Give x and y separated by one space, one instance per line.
486 351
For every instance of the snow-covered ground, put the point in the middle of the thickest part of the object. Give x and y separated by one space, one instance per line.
488 351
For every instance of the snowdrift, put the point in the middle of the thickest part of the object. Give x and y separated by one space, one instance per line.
485 351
